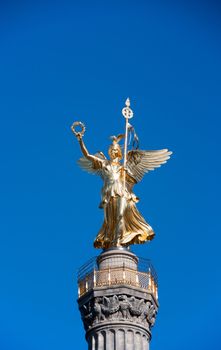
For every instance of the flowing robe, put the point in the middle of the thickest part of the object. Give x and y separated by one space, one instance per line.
123 224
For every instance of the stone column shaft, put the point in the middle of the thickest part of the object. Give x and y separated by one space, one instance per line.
118 338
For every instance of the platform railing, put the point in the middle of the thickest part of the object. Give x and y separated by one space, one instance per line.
117 276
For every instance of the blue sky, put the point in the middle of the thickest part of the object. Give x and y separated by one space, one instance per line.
66 61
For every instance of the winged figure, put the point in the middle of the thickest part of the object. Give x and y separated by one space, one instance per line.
123 224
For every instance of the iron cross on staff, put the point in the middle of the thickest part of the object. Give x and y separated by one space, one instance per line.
128 114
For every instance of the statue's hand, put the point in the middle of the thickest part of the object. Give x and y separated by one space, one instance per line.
78 136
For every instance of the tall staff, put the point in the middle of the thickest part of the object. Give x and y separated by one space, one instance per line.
128 114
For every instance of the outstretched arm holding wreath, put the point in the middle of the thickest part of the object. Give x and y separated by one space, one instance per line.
79 135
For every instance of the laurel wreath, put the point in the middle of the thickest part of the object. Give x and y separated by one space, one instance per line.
81 132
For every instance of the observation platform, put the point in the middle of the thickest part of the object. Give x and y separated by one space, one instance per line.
112 272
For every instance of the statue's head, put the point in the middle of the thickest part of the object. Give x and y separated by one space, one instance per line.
115 152
115 149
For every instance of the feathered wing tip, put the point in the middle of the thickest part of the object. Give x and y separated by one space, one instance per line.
92 167
141 162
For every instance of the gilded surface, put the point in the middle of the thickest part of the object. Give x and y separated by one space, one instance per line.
123 224
118 276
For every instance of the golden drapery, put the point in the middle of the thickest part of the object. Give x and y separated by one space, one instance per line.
123 224
131 228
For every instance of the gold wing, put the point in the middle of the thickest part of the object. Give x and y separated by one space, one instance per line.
140 162
94 165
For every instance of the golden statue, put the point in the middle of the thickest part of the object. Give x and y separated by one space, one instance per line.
123 224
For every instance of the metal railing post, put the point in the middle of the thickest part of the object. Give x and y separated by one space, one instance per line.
86 283
124 274
94 278
109 276
137 279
